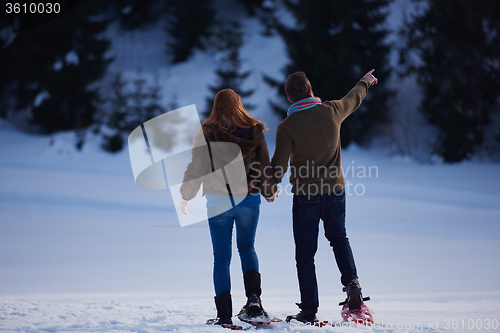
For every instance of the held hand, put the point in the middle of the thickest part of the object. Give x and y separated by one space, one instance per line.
275 195
369 76
183 207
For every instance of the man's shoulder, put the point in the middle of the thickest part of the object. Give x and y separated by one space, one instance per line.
285 127
284 123
329 104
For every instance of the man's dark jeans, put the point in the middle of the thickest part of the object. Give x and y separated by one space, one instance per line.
307 211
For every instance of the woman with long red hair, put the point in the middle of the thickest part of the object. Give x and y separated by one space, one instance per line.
230 122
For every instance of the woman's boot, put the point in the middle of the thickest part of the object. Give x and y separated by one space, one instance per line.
253 307
224 306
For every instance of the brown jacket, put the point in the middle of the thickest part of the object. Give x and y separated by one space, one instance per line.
255 156
311 139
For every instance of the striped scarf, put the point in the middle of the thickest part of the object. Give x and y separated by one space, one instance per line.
303 104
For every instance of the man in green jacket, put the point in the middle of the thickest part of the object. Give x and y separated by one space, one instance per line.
310 138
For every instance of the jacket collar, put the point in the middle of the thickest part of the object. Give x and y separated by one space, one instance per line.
213 134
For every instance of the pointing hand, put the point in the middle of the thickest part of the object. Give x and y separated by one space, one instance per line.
369 76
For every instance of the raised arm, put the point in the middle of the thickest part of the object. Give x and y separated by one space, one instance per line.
350 102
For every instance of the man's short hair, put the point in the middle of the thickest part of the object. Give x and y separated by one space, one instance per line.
297 86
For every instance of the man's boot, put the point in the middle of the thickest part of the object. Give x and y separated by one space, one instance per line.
304 316
354 296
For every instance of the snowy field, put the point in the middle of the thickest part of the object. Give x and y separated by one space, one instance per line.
83 249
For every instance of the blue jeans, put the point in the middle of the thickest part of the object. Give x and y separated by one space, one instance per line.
307 211
221 230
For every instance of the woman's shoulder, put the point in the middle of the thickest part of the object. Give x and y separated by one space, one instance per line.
244 133
258 129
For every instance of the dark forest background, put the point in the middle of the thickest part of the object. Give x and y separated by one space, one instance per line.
451 47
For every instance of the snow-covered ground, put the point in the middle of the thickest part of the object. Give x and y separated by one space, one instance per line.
83 249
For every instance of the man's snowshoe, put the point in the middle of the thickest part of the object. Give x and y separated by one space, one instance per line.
362 316
353 307
306 317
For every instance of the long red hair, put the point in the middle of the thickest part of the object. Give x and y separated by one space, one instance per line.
228 113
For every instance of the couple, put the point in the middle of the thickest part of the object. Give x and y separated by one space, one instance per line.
310 136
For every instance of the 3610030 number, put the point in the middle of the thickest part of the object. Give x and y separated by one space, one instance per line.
33 8
471 324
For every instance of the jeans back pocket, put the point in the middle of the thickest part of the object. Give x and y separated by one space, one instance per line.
249 211
337 207
309 210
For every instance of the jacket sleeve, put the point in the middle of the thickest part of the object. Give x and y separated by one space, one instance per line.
197 169
267 184
282 152
350 102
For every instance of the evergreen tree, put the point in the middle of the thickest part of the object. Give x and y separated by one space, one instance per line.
267 17
8 74
458 43
252 6
134 14
188 23
119 103
125 110
154 107
229 40
52 68
138 101
116 119
335 43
